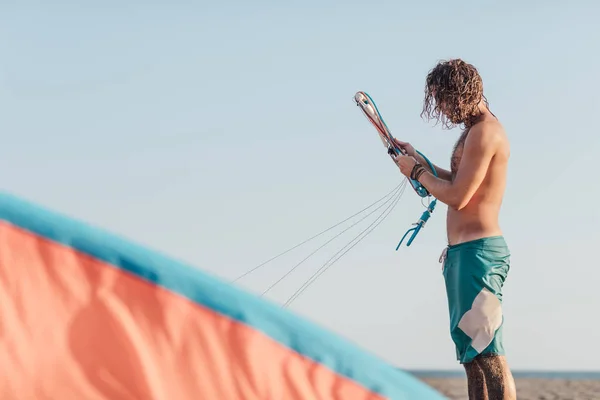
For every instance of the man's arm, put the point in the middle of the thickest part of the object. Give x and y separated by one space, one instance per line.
441 172
480 147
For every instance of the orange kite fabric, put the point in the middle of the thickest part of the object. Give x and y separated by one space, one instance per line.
85 315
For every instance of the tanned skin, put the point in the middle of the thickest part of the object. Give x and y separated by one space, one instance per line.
473 189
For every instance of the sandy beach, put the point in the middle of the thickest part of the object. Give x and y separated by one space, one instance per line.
527 388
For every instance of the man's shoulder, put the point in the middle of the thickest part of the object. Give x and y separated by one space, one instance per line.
487 137
489 132
491 126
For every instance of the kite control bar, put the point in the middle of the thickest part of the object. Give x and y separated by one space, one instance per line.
367 105
369 108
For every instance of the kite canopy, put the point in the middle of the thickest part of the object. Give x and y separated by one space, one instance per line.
87 315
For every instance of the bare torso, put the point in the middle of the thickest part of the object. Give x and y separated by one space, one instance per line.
479 218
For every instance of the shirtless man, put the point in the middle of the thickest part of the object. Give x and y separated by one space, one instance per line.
477 259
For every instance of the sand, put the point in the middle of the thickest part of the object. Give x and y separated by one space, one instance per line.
527 388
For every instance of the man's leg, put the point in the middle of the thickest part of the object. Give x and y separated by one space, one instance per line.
476 381
498 378
474 273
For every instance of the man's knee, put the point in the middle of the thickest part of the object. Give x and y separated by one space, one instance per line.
475 374
472 368
492 364
498 377
476 381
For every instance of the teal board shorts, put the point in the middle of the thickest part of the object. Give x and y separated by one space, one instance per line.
474 273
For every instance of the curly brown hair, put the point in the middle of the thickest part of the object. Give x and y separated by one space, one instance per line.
453 91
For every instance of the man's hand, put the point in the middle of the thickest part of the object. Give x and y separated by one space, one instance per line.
410 151
405 163
407 147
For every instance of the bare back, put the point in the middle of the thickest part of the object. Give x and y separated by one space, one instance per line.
479 218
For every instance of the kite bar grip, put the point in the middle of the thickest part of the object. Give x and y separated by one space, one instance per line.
420 189
369 108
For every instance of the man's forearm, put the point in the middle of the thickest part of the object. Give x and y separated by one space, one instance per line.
441 189
441 172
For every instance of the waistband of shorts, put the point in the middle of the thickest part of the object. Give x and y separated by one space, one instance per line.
493 241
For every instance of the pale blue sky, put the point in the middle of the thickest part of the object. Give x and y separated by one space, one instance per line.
224 132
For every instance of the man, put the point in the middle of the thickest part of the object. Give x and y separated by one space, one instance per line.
477 259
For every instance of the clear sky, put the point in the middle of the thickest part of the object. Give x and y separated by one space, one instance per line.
224 132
